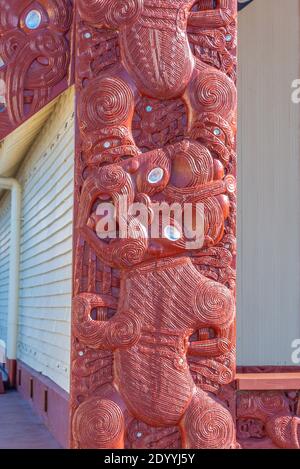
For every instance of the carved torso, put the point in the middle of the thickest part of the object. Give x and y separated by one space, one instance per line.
173 316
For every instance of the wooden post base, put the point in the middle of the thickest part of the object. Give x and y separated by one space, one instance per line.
11 367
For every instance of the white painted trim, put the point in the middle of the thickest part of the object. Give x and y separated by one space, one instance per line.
14 264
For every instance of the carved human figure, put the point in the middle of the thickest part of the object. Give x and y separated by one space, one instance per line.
164 299
156 61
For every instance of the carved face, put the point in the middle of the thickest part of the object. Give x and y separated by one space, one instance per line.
183 173
34 54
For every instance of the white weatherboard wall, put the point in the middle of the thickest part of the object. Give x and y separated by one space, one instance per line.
268 310
4 262
46 176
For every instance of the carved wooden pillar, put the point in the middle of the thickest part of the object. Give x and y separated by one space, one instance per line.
153 325
35 65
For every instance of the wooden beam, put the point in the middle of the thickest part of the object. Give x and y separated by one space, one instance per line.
268 381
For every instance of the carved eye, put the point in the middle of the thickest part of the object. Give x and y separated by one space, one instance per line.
217 131
33 19
172 233
155 175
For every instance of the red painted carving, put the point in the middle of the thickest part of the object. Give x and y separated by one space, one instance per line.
34 57
268 419
153 329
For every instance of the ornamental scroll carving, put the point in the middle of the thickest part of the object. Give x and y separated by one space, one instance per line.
153 327
268 419
34 57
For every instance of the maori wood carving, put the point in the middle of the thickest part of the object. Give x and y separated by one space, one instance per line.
268 419
153 324
35 40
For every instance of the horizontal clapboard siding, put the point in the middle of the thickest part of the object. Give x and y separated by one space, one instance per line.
4 262
46 247
268 307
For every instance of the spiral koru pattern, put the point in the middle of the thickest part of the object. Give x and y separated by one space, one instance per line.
93 11
211 428
130 253
124 331
98 423
113 179
214 303
113 13
230 183
90 332
123 12
270 402
285 431
226 375
214 92
106 101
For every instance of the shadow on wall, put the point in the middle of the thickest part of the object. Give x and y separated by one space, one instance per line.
243 3
2 351
3 373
